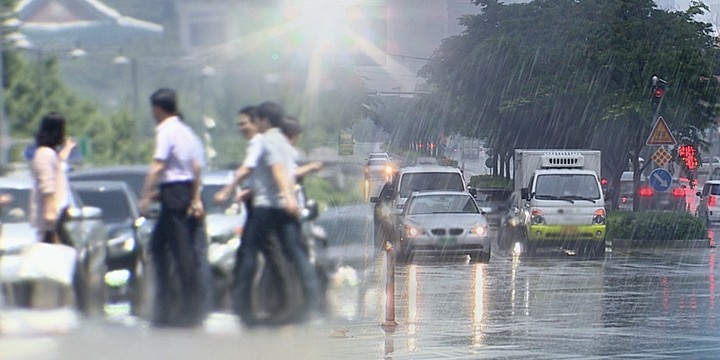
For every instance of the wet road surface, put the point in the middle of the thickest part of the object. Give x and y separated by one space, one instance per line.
655 303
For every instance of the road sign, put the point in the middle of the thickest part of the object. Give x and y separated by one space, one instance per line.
660 180
661 157
660 134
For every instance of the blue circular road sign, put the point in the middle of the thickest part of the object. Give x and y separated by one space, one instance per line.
660 180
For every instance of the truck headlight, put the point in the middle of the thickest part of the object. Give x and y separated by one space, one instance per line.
537 217
599 217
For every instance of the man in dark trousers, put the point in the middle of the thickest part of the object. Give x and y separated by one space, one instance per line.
178 244
274 209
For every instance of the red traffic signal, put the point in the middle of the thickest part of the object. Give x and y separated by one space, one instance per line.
659 92
688 154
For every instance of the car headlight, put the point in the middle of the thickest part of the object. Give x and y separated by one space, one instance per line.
413 231
124 241
479 230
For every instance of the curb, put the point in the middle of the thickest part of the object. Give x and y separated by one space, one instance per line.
675 244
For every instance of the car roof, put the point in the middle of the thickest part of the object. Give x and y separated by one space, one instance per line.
430 169
17 182
436 193
100 185
217 177
713 182
115 169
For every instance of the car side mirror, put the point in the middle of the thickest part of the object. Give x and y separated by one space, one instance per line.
310 212
374 199
472 191
485 210
698 194
525 193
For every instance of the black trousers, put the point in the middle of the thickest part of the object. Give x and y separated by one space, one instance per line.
179 248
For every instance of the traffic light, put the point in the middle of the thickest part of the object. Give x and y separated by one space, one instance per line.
658 93
688 154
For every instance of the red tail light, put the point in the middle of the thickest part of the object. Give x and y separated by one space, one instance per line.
678 192
712 200
646 192
624 199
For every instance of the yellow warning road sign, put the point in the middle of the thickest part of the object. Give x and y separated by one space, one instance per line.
660 134
661 157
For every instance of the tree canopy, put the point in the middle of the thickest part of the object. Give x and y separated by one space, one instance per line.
574 74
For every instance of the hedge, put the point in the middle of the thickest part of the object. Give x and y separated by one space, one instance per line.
655 225
479 181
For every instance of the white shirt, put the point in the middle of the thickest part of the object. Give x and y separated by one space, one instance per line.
177 146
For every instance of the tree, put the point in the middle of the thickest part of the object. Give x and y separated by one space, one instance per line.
580 80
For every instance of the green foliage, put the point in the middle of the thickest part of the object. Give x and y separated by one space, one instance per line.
580 80
328 195
480 181
655 225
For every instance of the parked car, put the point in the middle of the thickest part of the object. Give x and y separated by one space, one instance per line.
511 229
494 201
87 233
671 200
626 193
132 175
445 223
128 241
222 222
708 207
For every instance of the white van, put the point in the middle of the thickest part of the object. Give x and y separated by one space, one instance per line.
391 200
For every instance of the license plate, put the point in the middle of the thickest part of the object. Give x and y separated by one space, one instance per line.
568 230
448 241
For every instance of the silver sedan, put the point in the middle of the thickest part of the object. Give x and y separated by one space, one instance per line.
445 223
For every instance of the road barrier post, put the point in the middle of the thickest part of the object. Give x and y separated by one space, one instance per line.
390 324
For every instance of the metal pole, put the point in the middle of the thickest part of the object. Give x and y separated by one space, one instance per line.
4 126
136 118
390 324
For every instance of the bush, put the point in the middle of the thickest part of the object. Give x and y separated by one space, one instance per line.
480 181
328 195
654 225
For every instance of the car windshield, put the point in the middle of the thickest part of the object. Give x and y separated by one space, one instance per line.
18 210
430 181
377 162
114 204
714 189
569 186
443 204
134 181
492 197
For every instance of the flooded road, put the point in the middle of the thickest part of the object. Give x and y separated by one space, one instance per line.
654 303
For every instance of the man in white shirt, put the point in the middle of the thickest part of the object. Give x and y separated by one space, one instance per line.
178 240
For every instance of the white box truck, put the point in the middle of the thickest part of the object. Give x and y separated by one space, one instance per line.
560 202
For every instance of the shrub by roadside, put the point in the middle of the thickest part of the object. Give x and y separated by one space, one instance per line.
651 227
480 181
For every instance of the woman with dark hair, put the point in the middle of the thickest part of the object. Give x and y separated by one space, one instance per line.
51 188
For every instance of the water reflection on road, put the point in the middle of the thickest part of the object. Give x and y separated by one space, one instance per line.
650 303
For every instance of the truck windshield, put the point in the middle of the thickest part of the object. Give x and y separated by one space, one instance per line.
429 181
567 186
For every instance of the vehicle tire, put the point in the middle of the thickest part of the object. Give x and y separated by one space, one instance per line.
481 257
141 286
90 291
